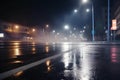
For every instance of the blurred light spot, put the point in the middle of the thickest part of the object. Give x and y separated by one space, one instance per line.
48 63
33 43
33 30
65 46
17 51
33 49
47 49
16 26
49 68
18 74
17 61
114 55
1 35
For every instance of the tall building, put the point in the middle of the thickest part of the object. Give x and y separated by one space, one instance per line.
115 14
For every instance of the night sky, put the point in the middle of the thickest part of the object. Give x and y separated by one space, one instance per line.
41 12
35 11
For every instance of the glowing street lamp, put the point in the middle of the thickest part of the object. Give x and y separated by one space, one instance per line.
66 27
53 31
93 28
16 27
47 26
33 30
84 1
87 10
75 11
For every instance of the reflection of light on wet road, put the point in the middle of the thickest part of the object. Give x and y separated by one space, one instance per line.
48 65
18 74
47 49
48 62
16 44
65 46
15 50
66 57
114 54
86 63
80 63
49 68
33 50
17 61
33 43
66 60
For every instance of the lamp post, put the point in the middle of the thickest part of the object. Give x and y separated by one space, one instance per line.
108 30
93 27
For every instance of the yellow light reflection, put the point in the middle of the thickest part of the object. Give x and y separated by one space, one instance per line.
15 50
33 43
18 74
48 62
47 49
49 68
33 49
17 61
16 44
48 65
33 30
16 26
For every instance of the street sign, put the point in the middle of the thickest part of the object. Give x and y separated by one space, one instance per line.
114 24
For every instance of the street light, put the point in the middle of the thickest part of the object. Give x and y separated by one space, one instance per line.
84 1
16 26
66 27
53 31
87 10
93 29
75 11
47 26
33 30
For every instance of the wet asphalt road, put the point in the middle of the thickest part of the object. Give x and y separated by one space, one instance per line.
75 62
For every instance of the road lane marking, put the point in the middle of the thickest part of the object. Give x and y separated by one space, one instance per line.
28 66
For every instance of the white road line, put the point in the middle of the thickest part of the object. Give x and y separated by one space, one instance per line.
28 66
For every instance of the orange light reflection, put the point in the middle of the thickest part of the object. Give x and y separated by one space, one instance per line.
18 74
47 49
48 65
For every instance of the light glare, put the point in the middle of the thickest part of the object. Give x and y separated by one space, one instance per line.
75 11
84 1
1 35
87 10
66 27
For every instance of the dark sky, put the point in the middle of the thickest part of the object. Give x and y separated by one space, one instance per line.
40 12
35 11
